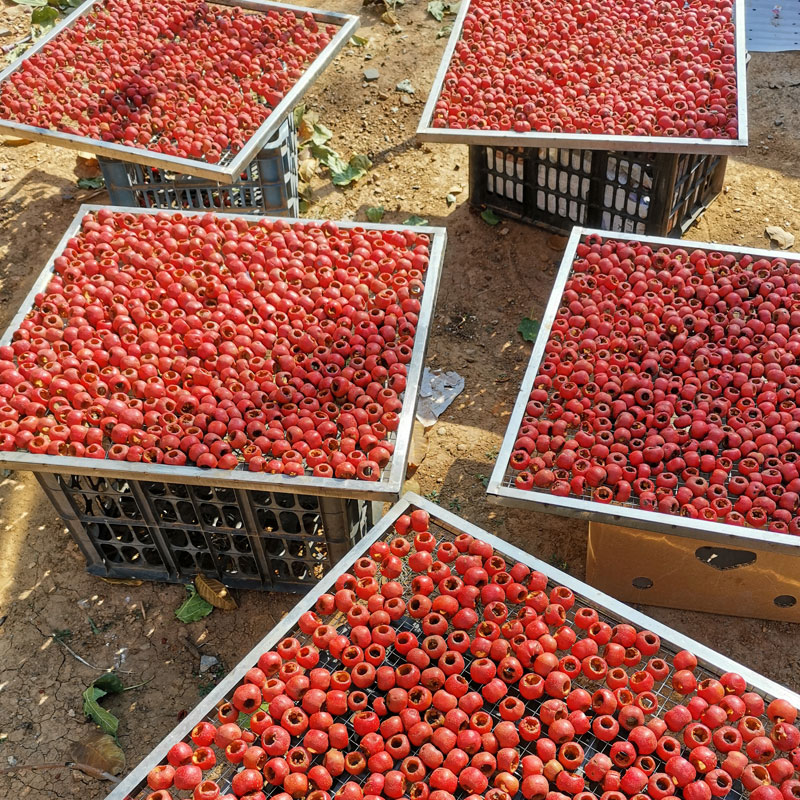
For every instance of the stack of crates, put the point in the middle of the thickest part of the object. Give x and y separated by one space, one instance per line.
268 184
658 194
171 532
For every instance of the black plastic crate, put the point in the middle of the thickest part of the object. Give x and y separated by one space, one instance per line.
660 194
172 532
268 183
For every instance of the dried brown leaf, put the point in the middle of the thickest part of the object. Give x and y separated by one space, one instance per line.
123 581
212 591
14 141
101 752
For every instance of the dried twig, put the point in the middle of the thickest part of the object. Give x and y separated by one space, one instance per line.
190 646
86 769
84 661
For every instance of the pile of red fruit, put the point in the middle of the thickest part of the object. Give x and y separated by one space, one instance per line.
671 382
218 343
179 77
479 681
611 67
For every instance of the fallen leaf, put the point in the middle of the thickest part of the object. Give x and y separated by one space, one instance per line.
414 219
445 30
355 170
321 134
389 18
214 592
529 329
34 3
375 213
14 141
328 157
44 16
194 607
489 217
358 41
105 684
307 169
91 183
123 581
100 751
436 9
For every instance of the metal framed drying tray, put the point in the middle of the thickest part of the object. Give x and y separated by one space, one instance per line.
445 525
501 487
589 141
223 172
393 475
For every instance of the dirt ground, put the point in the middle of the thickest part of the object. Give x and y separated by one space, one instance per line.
492 278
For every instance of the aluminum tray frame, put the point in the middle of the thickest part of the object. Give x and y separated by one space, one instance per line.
503 494
707 658
390 485
223 173
588 141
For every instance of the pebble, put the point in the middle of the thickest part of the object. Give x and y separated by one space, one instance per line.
461 447
406 100
206 662
371 74
405 86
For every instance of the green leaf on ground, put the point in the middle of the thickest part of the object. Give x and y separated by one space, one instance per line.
328 157
414 219
375 213
91 183
321 134
358 41
34 3
298 114
193 607
445 30
105 684
436 9
110 683
353 171
44 16
489 217
529 329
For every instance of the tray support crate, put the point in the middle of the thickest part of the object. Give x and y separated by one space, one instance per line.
172 532
268 183
659 194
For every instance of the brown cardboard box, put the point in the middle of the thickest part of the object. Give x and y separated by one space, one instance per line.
665 570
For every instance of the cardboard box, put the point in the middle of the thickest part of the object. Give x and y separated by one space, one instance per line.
659 569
